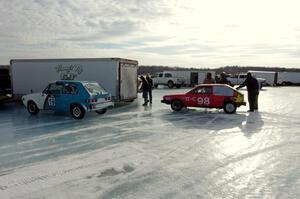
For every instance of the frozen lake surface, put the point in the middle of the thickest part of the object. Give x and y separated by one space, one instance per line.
153 152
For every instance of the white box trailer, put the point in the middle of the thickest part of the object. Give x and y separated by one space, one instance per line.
191 77
289 78
118 76
271 77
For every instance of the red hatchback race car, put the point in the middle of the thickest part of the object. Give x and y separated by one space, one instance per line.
207 96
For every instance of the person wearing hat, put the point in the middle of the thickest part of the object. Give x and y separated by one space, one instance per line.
253 91
224 80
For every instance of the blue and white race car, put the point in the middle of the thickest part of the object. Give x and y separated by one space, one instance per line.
78 97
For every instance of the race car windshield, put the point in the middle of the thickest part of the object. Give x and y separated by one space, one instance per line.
94 88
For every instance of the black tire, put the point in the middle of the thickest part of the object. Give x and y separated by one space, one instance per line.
176 105
77 111
32 108
102 111
229 107
155 85
261 85
170 84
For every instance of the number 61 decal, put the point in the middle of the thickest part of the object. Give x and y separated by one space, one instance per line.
51 101
204 100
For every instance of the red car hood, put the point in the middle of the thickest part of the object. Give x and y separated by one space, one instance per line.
174 95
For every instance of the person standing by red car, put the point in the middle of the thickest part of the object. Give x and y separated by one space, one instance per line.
150 83
209 79
253 91
144 87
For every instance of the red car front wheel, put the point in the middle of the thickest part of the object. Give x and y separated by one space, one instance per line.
176 105
229 107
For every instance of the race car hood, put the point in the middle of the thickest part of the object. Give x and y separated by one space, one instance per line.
31 96
169 97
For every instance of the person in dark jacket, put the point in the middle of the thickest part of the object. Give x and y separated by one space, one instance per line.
150 83
224 80
208 79
253 91
145 89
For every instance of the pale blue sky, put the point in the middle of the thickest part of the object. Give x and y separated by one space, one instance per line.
192 33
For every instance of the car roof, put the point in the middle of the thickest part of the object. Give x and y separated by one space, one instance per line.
225 85
213 85
73 81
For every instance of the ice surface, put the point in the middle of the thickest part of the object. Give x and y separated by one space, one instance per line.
153 152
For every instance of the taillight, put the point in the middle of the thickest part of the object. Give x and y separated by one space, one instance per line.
235 94
92 100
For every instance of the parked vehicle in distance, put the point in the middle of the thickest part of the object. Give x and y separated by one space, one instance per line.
190 77
288 78
240 78
207 96
168 79
76 97
271 77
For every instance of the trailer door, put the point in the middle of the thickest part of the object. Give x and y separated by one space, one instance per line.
128 81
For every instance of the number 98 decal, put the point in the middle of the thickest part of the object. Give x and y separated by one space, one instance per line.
204 100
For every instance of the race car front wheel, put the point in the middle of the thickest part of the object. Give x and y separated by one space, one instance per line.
176 105
229 107
77 111
32 108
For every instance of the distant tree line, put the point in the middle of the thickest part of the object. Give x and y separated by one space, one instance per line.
228 69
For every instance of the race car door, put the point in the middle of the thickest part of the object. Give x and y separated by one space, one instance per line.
53 92
201 97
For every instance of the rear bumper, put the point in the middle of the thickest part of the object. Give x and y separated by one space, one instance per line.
240 103
100 106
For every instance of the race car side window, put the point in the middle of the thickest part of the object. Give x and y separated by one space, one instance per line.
70 89
203 90
222 91
55 88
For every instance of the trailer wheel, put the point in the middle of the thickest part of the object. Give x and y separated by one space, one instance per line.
77 111
32 108
170 84
176 105
229 107
102 111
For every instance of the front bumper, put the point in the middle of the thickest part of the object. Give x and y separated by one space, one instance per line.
166 101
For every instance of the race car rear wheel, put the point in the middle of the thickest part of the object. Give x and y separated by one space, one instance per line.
176 105
102 111
77 111
32 108
229 107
